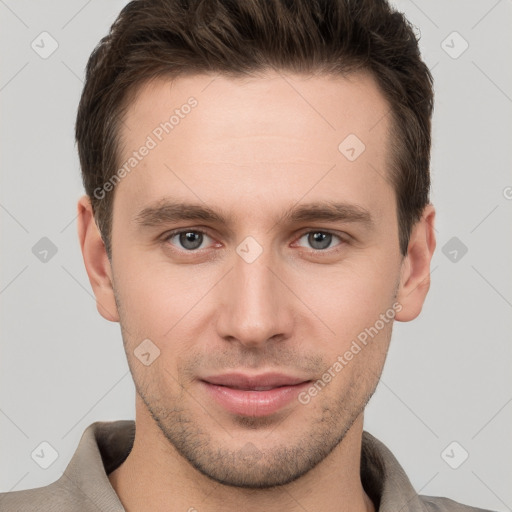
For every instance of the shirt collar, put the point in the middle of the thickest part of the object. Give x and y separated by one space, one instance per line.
384 480
105 445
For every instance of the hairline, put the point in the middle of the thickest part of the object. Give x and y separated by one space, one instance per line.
134 90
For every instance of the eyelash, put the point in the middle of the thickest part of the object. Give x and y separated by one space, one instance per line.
343 240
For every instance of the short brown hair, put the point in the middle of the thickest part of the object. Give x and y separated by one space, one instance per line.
168 38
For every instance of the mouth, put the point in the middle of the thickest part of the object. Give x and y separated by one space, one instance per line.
253 395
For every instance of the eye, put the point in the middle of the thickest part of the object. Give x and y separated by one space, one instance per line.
188 239
320 240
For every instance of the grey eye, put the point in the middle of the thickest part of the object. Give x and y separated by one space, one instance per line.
319 240
189 240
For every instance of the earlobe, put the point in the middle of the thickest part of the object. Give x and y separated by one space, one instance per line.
96 261
415 273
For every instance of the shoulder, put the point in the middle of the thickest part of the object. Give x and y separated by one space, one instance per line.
57 496
434 504
84 485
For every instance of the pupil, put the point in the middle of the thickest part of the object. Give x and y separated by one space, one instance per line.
191 240
320 240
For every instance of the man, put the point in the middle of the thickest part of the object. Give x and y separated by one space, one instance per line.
257 216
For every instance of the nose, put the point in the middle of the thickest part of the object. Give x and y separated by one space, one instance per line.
255 305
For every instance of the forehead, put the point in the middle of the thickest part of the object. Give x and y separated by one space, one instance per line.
277 134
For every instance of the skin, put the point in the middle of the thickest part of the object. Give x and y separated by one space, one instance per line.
252 149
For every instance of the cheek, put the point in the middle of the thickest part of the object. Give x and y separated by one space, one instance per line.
150 290
163 303
350 298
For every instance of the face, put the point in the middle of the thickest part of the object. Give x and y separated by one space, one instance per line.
255 244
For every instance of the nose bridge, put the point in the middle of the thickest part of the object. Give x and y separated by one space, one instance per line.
254 305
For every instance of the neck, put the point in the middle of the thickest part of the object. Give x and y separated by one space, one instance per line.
154 477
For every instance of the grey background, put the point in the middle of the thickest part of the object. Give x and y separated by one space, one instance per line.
448 374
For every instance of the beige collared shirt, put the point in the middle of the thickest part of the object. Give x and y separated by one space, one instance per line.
84 486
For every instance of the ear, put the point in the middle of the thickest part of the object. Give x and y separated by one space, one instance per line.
96 261
415 273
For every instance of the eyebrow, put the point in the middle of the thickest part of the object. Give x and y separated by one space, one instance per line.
169 211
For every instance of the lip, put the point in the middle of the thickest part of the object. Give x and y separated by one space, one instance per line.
253 395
